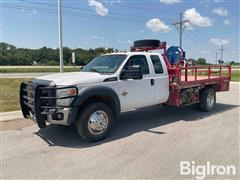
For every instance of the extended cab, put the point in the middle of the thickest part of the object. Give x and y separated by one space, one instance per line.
111 84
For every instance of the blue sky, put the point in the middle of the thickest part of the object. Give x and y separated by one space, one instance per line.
117 23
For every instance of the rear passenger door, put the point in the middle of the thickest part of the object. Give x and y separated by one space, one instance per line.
137 93
161 79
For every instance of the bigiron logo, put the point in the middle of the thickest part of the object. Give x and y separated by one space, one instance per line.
203 170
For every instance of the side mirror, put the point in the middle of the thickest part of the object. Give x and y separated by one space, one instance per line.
133 72
81 67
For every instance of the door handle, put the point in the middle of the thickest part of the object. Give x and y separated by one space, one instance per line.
152 82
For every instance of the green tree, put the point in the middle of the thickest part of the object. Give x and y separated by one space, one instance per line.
201 61
11 55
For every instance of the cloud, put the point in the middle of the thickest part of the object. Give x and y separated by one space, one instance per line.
99 7
170 1
196 18
227 22
219 42
220 11
156 25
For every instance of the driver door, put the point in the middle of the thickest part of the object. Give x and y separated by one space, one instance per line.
137 93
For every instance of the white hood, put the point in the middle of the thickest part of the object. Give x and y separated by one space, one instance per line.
74 78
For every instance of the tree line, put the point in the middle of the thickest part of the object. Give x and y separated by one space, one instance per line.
11 55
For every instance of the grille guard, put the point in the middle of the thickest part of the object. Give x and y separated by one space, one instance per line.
35 104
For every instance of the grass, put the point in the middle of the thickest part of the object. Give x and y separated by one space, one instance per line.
40 69
9 94
235 76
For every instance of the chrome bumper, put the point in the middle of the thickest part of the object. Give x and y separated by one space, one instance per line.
65 113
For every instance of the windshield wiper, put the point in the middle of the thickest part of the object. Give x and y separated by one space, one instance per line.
95 70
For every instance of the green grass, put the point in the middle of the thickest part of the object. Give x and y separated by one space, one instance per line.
9 94
32 70
236 76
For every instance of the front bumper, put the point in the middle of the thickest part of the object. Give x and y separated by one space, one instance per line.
38 102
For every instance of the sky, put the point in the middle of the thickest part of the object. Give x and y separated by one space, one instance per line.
118 23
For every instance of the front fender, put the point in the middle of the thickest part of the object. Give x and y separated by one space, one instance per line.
89 92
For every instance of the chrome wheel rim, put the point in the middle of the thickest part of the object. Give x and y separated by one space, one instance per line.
210 100
98 122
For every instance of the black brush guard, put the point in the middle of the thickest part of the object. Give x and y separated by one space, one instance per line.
38 101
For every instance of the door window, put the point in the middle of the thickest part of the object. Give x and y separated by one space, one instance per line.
157 64
139 60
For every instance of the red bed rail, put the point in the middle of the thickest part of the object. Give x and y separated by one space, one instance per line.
194 73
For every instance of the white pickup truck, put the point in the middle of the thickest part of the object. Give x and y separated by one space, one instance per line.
108 85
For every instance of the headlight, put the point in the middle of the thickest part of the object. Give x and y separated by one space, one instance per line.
66 92
65 96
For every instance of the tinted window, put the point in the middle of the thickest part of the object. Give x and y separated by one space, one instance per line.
138 60
157 64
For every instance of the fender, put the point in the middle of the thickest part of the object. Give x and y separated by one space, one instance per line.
99 90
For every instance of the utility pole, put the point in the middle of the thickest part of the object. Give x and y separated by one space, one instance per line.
221 50
60 35
181 27
216 58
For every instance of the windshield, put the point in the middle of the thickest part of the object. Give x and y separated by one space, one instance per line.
105 64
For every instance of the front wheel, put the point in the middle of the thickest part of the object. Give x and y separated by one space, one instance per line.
94 122
207 100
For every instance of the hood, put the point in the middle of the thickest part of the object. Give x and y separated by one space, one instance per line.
73 78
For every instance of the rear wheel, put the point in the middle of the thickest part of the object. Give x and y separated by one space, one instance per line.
207 100
94 122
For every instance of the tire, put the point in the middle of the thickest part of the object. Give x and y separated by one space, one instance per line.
88 129
148 43
207 100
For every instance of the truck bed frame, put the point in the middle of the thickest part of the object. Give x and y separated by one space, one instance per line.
197 77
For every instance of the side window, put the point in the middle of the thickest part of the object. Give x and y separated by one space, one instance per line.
138 60
157 64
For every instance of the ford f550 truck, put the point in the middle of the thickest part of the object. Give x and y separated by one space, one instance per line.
117 82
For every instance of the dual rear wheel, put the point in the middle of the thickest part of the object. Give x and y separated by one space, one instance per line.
207 99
